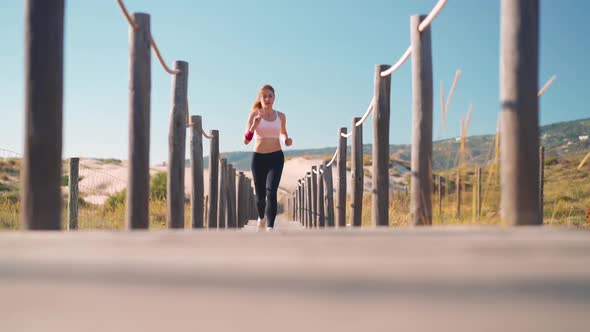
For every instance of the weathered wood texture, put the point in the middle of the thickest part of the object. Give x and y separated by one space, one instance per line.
222 203
138 184
177 147
73 194
356 174
341 189
314 196
519 81
309 200
541 182
197 189
213 179
320 198
421 164
41 172
388 274
380 167
329 195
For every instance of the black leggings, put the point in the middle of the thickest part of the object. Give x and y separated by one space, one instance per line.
266 171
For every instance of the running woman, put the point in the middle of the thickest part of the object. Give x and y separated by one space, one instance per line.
267 126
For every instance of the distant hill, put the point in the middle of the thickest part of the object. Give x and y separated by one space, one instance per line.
558 138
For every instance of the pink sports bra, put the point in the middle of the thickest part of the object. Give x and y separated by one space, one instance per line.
268 129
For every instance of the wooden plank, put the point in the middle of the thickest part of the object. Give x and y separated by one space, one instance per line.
41 172
177 147
341 189
138 184
197 188
73 194
421 182
380 166
213 179
356 174
469 282
519 81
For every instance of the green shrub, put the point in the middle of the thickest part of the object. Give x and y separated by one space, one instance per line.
116 200
158 186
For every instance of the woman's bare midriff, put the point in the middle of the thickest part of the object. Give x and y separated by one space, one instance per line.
267 145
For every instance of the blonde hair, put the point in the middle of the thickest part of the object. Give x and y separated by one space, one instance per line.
257 104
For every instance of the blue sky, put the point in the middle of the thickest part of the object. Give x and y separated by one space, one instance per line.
319 55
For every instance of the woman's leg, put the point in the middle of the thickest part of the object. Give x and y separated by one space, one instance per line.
273 179
259 172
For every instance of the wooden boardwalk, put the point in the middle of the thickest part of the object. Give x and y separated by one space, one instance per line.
443 279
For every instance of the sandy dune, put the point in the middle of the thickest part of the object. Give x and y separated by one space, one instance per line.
98 179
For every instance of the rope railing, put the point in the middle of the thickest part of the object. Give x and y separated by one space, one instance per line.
152 40
546 86
205 134
346 135
333 158
430 17
399 62
369 110
423 25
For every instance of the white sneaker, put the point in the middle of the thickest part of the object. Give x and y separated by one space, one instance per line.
269 229
261 223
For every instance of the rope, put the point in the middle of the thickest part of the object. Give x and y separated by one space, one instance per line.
126 13
333 158
205 134
152 41
369 110
546 86
399 62
346 135
315 171
435 11
162 62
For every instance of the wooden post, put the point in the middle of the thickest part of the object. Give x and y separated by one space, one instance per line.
440 195
231 207
138 185
380 168
356 174
293 206
241 200
478 200
320 198
329 195
309 200
41 174
341 190
300 189
421 183
541 182
222 203
519 81
176 147
314 197
73 196
213 178
197 191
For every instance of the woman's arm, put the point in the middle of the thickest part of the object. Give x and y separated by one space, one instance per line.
251 125
288 141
